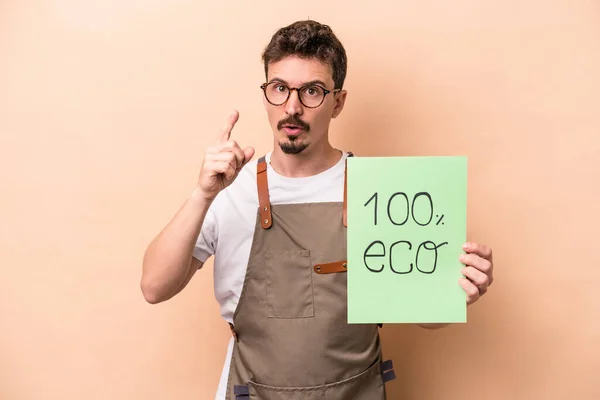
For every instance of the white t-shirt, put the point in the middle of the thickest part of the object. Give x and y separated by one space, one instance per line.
229 226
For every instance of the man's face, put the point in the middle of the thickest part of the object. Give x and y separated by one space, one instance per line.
295 126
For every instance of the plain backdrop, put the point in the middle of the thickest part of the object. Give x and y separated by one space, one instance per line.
106 108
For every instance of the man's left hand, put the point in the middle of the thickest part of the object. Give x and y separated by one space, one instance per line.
478 270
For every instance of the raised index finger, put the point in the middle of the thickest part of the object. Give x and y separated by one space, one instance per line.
225 133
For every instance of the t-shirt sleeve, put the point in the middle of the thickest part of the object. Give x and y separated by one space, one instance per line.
206 243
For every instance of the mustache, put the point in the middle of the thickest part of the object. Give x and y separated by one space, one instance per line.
293 120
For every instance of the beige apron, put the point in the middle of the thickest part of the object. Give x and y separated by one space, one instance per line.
292 339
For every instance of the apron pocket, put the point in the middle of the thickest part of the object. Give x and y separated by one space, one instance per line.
368 385
289 284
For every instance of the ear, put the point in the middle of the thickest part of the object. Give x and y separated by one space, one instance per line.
340 100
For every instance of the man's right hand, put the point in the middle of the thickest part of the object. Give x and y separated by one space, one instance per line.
222 161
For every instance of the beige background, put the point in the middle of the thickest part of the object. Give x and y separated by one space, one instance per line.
106 107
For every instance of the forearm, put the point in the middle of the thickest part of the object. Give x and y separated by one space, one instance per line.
168 258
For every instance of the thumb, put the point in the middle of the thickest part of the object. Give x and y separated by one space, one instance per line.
248 154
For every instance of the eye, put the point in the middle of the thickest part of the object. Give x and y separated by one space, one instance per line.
280 88
313 91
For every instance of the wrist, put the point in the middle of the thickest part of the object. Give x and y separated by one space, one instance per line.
200 198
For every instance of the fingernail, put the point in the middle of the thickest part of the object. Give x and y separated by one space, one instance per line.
466 246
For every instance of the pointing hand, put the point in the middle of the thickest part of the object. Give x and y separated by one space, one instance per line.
222 161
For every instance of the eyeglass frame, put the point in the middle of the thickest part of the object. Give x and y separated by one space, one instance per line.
297 89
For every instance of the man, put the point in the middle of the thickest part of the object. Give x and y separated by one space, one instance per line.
276 227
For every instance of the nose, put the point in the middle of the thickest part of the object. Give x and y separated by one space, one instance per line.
293 105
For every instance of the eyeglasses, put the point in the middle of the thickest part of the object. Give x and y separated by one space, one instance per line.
311 96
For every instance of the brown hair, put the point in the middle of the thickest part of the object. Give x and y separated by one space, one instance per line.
308 39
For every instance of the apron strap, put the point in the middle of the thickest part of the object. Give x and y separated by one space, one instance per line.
387 370
345 214
262 184
264 202
331 268
233 333
241 392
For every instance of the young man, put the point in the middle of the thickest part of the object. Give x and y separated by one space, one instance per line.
276 227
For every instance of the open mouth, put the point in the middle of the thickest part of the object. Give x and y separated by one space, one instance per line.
292 130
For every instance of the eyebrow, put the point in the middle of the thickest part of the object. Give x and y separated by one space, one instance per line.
313 82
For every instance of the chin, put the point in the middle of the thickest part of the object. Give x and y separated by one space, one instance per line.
292 146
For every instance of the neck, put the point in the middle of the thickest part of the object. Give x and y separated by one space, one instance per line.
309 162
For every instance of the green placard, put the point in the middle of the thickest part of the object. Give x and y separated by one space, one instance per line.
406 228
